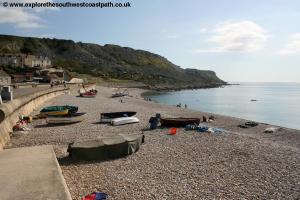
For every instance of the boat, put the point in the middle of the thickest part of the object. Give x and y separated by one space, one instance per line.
108 117
88 94
124 120
178 122
59 110
65 119
120 94
104 148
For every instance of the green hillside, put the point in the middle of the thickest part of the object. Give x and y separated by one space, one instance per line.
111 62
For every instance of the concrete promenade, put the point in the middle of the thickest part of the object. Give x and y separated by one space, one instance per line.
31 173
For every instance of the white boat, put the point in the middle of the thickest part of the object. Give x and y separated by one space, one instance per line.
124 120
69 119
108 117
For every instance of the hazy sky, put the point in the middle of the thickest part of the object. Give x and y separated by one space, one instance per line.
241 40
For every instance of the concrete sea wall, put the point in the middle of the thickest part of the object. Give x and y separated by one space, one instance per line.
10 111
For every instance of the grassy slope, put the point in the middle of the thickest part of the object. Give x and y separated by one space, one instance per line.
110 62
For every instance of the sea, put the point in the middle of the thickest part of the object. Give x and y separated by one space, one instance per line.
272 103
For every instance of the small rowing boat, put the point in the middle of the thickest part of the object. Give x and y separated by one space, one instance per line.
88 94
108 117
66 119
120 94
124 120
58 110
178 122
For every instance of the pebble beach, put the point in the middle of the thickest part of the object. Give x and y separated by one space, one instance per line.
238 164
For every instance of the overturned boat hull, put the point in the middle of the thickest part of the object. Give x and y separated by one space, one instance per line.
124 120
105 148
108 117
178 122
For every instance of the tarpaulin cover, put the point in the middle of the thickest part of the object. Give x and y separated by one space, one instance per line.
105 148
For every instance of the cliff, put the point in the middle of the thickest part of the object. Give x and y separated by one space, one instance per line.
111 62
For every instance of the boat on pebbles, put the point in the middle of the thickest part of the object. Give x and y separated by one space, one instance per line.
58 110
108 117
65 119
124 120
88 94
179 122
104 148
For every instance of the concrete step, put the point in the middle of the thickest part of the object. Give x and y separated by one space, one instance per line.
31 173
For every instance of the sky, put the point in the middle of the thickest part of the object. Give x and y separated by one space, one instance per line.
241 40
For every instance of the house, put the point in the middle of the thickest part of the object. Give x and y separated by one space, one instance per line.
5 79
9 59
24 60
22 77
55 75
40 62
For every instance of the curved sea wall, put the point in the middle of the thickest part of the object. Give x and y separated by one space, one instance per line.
10 111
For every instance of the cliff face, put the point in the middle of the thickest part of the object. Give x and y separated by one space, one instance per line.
111 61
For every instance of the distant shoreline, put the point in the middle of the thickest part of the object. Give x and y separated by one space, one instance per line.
160 91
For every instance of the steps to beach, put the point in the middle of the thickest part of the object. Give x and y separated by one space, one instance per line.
31 173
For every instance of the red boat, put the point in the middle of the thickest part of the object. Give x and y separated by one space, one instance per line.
89 94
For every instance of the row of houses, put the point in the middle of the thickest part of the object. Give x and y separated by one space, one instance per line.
24 60
50 75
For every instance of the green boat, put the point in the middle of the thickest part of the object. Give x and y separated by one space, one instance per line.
59 110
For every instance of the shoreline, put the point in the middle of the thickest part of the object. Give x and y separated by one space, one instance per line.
148 93
242 163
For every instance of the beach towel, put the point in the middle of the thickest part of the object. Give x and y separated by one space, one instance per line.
96 196
216 130
202 128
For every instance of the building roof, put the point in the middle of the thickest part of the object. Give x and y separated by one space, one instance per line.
3 73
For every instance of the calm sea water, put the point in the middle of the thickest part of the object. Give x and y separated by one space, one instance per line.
277 103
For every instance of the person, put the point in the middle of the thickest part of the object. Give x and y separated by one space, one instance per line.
153 122
185 106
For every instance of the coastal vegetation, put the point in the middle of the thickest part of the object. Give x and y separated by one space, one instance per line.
112 62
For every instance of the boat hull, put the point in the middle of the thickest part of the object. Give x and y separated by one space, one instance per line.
108 117
105 148
59 110
57 113
68 119
88 95
178 122
124 120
